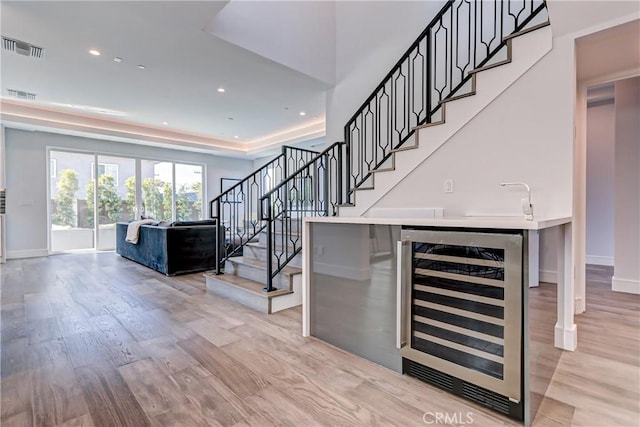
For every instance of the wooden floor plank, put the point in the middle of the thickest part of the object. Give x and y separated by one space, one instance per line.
239 378
208 330
119 344
85 349
185 416
210 398
12 322
81 421
168 355
12 357
16 395
56 397
108 397
97 340
155 391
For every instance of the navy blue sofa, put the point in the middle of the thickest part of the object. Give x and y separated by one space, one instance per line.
181 248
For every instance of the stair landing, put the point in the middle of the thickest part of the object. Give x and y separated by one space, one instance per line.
245 279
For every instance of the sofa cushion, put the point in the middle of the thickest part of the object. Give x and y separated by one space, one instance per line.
192 223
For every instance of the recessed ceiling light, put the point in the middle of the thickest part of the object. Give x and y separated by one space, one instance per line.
302 113
141 67
117 59
236 136
94 52
221 89
165 123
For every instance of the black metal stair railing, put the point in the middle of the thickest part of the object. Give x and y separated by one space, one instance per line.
316 189
464 36
236 210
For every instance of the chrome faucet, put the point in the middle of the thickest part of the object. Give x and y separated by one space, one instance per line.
527 206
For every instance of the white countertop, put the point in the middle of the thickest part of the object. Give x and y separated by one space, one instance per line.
504 222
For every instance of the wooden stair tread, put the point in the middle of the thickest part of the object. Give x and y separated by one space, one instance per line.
262 265
248 285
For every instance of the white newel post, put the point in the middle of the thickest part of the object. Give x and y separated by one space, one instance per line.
565 336
534 258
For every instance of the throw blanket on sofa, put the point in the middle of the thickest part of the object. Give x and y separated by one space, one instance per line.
133 230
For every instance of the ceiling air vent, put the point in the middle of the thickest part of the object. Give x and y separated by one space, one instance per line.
22 48
20 94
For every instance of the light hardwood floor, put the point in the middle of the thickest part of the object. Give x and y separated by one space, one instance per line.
94 339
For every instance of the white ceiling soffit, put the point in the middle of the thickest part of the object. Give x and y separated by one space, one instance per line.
609 51
27 116
184 67
299 35
571 16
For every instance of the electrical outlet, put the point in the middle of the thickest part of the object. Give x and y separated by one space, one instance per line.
448 186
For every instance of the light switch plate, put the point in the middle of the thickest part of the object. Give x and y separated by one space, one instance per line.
448 186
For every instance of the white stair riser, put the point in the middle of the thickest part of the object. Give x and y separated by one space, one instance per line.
260 253
291 300
294 225
237 294
256 274
297 238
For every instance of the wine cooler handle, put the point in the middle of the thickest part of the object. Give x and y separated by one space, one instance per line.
401 266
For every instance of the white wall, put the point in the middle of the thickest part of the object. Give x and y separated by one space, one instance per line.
627 186
299 35
600 183
510 140
2 157
370 38
27 182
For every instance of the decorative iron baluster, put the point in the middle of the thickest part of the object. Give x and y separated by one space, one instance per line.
315 189
236 210
463 36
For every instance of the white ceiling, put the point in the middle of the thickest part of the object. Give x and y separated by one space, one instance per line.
184 67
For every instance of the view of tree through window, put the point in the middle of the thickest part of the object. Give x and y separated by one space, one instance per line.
78 198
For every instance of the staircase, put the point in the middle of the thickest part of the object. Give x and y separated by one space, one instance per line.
242 239
245 277
469 54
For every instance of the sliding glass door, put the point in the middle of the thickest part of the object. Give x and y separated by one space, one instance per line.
188 192
116 198
94 189
157 190
72 225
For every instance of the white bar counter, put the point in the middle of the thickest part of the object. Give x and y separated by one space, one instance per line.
565 334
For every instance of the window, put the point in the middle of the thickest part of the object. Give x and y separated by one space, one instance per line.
53 165
188 192
106 169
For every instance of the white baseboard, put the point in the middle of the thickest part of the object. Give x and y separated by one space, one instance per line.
566 338
31 253
625 285
548 276
599 260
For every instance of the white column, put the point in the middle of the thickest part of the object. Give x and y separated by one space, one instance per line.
307 252
3 246
534 258
565 336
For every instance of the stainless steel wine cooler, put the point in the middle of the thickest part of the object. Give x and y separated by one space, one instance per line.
460 314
